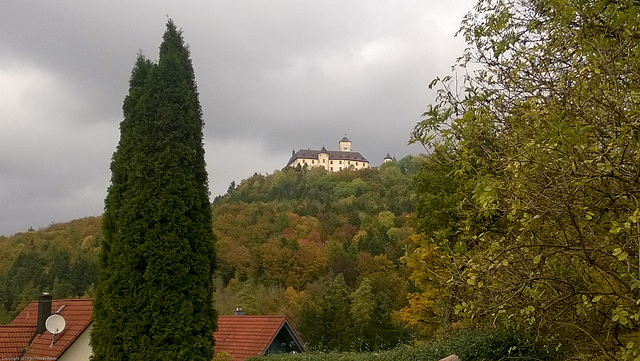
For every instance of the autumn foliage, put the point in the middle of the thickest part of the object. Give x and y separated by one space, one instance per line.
323 248
289 243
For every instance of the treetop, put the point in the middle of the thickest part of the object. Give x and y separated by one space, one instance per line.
172 40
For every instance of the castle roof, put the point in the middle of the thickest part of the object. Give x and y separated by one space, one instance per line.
333 155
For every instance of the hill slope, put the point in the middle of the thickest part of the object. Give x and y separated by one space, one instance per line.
322 248
288 243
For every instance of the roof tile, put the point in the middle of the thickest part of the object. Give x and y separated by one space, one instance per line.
14 340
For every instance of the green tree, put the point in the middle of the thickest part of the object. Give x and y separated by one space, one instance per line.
25 280
336 323
389 290
361 312
544 146
154 296
247 297
437 253
83 273
232 187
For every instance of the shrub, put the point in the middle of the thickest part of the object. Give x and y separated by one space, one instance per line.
469 345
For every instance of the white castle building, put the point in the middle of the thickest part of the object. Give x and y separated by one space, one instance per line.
331 160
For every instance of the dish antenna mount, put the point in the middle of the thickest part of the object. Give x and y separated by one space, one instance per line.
55 324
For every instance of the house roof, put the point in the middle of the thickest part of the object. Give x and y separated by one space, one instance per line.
248 336
14 340
239 336
77 315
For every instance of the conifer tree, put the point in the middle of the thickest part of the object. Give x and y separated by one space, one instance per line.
155 290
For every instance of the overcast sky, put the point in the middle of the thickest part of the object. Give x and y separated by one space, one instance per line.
273 76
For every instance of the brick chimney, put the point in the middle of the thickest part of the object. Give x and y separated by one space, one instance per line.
44 311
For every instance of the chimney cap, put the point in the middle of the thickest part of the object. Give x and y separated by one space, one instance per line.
44 311
238 312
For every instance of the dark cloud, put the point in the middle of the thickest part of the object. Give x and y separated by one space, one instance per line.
272 76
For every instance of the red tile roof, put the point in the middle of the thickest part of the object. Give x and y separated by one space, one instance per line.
14 340
77 315
240 336
246 336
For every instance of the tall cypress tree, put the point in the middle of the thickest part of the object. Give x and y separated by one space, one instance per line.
154 296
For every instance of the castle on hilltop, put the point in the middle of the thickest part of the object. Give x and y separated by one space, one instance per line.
331 160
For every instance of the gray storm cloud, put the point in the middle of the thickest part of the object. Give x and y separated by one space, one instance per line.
272 77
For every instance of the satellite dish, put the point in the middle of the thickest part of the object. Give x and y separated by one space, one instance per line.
55 324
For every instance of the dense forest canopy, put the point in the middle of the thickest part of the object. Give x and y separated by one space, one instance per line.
294 242
60 259
323 248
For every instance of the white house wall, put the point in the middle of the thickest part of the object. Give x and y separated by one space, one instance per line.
80 350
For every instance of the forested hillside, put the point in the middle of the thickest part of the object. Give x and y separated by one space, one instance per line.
61 259
322 248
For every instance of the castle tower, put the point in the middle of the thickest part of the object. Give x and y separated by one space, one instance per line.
345 144
323 158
